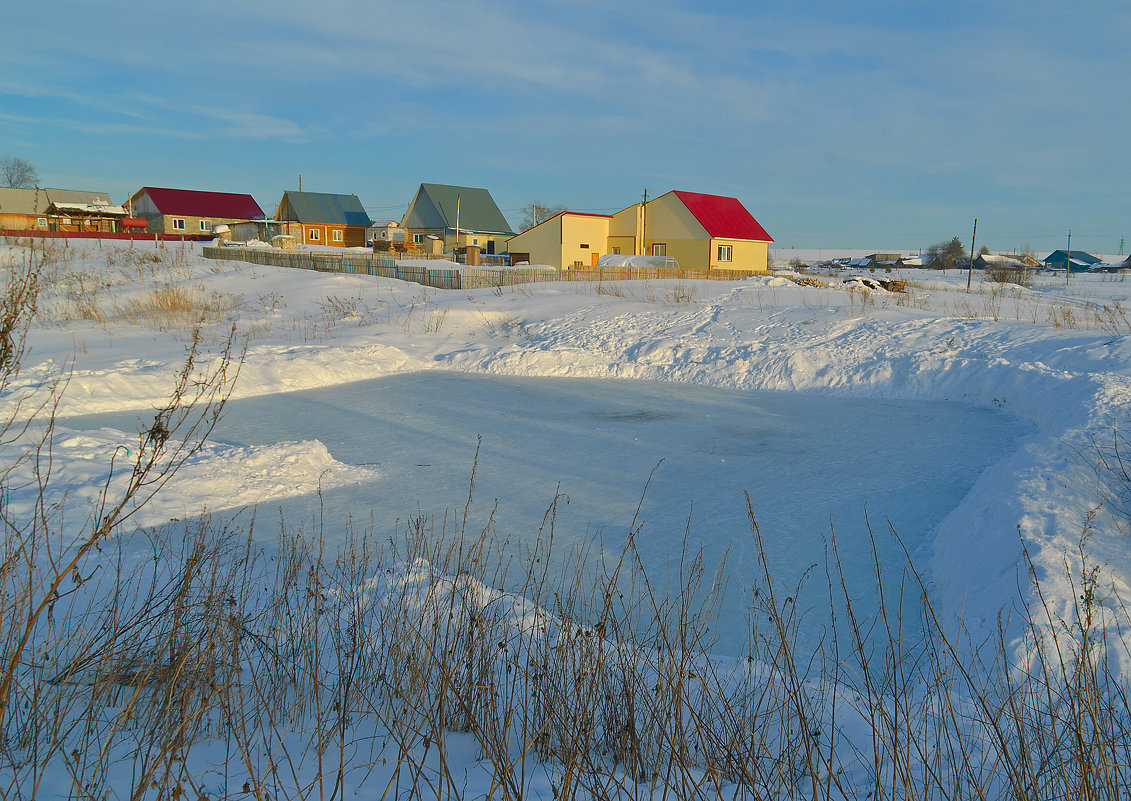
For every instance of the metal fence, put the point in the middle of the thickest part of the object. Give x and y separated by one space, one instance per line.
455 277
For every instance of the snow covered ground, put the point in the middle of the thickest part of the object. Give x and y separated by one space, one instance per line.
1056 357
1051 361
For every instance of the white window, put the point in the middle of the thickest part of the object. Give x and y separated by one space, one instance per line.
313 234
337 236
475 241
178 224
418 238
41 222
725 252
659 249
64 221
206 225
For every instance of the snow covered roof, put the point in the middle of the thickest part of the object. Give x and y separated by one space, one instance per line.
90 208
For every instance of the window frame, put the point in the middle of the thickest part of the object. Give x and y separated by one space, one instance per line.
177 223
660 249
337 236
729 257
206 226
313 235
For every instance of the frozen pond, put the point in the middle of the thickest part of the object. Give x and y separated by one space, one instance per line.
808 462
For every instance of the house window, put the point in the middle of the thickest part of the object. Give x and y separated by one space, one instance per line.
475 241
585 246
616 251
725 252
337 236
659 249
206 225
312 234
86 222
418 238
64 221
178 224
41 222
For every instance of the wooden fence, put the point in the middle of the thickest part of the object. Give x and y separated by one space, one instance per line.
652 274
455 276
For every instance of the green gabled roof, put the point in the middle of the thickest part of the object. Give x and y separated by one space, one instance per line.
435 207
320 207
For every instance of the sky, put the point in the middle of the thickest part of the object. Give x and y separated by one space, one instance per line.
880 124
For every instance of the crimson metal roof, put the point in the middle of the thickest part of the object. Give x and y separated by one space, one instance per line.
194 203
723 217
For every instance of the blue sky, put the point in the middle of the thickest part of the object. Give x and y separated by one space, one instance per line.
851 125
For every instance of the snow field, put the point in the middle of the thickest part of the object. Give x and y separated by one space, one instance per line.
1054 358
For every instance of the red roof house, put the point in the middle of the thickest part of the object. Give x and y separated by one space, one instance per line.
699 231
190 211
723 217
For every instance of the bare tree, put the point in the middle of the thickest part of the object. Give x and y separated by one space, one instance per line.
17 173
537 211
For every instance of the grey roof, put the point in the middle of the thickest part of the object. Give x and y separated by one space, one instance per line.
319 207
76 196
21 201
37 201
435 207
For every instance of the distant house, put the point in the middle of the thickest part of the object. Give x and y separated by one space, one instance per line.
72 210
386 231
1077 260
189 211
325 219
698 231
1003 261
932 261
461 216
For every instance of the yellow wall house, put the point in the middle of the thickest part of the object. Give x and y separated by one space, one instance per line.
568 239
701 232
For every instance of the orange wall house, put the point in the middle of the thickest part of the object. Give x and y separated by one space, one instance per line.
325 219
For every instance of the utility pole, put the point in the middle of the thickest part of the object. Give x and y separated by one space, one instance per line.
644 226
970 270
1068 259
1121 245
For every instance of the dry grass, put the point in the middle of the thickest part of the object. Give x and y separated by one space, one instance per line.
190 662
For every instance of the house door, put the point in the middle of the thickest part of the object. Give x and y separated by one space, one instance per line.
490 247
